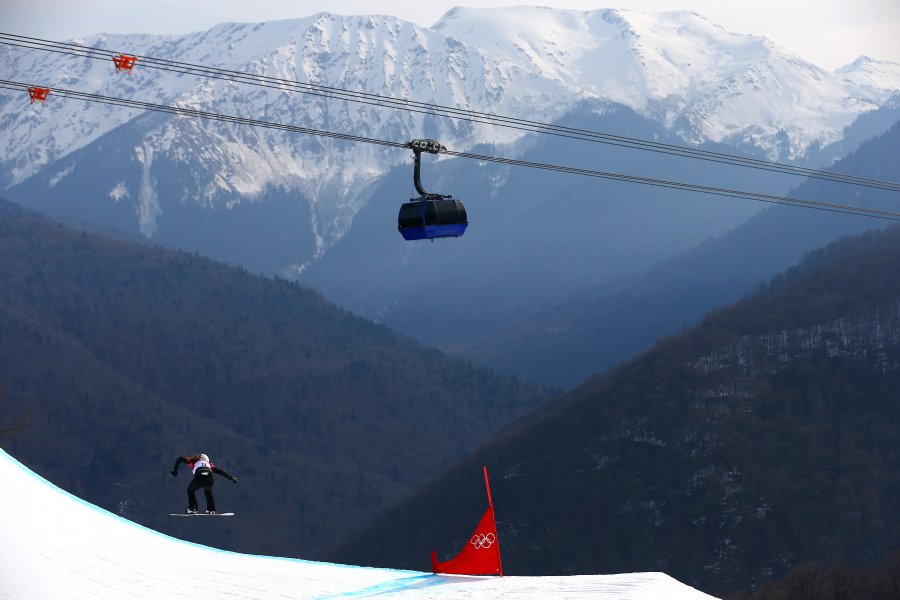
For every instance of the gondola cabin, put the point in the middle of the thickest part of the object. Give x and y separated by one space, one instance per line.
430 215
430 218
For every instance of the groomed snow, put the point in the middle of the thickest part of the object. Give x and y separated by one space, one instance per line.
55 546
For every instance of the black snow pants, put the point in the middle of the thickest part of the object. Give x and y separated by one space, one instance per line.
203 478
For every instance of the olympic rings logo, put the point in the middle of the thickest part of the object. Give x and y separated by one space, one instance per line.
482 540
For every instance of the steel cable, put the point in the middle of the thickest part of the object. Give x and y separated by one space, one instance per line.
444 111
190 112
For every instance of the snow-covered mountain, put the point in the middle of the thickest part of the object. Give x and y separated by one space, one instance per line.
676 68
380 55
58 546
874 76
680 69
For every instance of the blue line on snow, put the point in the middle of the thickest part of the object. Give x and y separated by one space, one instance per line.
398 585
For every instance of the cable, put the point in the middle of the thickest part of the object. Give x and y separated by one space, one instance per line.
816 204
444 111
190 112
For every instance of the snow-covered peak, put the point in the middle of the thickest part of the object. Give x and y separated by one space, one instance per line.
701 81
876 75
677 67
627 56
376 54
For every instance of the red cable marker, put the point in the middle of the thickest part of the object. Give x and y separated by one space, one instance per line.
481 556
38 94
124 62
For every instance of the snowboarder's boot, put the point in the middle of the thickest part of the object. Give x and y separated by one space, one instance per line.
190 511
210 512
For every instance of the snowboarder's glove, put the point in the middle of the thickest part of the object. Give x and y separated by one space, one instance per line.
234 480
174 473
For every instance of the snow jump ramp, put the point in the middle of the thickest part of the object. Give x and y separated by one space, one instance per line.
54 545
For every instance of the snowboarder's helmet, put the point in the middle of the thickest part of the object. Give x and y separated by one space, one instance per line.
204 457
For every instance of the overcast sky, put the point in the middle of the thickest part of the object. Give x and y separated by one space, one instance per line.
830 33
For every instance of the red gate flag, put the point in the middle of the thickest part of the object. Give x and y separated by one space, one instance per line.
481 556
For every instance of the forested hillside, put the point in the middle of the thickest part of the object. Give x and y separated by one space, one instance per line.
595 330
838 581
765 437
127 356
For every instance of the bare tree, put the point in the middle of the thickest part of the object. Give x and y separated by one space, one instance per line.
806 582
891 574
16 424
846 583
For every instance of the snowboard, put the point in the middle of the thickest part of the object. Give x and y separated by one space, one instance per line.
201 514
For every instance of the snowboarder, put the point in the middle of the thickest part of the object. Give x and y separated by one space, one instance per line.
203 470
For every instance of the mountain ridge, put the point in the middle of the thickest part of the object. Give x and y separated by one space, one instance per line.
385 55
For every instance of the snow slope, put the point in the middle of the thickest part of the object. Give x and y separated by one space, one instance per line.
57 546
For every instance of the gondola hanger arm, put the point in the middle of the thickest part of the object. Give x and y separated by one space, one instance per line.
418 147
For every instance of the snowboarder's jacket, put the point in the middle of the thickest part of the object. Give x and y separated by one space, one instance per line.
199 466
